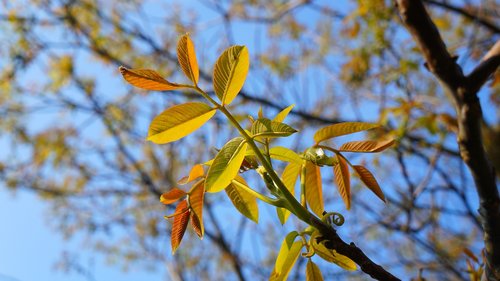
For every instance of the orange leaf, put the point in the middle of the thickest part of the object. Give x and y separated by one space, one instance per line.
187 58
196 172
172 196
195 199
197 226
179 226
366 146
342 178
314 189
147 79
369 180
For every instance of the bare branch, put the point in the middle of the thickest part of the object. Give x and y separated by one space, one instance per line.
485 69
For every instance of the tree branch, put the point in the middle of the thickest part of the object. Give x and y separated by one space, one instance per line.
469 116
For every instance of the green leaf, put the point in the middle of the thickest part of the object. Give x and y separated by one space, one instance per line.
341 129
243 200
187 58
284 253
291 259
226 165
331 255
179 121
266 128
285 154
147 79
366 146
280 117
314 189
342 178
369 180
312 272
230 72
289 178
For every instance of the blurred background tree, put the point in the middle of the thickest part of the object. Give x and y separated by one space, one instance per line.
74 133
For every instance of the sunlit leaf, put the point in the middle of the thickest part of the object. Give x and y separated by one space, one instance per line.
342 178
369 180
230 73
195 173
147 79
289 178
244 201
226 165
266 128
179 226
366 146
179 121
187 58
314 189
312 272
284 253
195 199
280 117
196 225
331 255
172 196
285 154
341 129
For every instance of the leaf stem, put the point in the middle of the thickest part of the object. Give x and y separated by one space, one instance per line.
267 199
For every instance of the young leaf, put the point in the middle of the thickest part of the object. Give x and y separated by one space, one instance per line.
366 146
230 72
285 154
195 173
179 121
369 180
280 117
187 58
312 272
266 128
341 129
147 79
291 259
286 245
342 178
226 165
244 201
195 199
179 226
179 211
196 225
172 196
313 189
289 178
331 255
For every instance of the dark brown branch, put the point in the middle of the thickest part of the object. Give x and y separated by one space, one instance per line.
469 15
485 69
469 117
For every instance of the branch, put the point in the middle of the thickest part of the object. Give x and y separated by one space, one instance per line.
462 11
469 116
485 69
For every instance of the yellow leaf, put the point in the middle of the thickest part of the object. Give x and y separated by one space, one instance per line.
230 72
195 173
369 180
187 58
342 178
244 201
285 154
179 121
366 146
280 117
172 196
341 129
226 165
195 200
179 226
265 128
147 79
288 254
314 189
289 178
312 272
331 255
